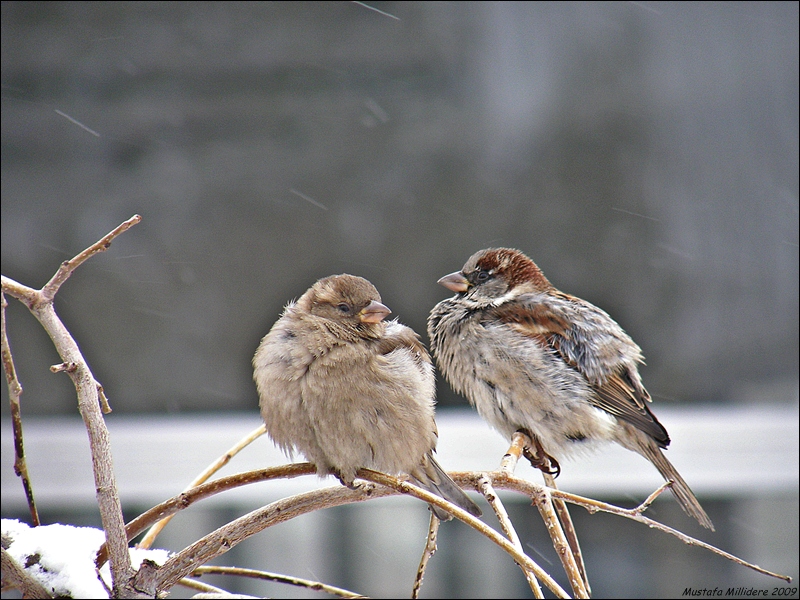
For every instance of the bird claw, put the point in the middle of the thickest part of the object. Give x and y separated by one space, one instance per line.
540 459
351 484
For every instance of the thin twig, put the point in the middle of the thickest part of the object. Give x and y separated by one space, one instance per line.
228 536
200 586
593 506
14 394
569 530
206 490
67 267
91 398
523 559
427 554
519 443
651 498
150 536
511 458
266 575
488 492
544 502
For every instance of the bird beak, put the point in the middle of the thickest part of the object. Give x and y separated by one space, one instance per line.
374 312
455 282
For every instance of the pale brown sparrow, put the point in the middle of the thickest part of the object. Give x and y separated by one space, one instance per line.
350 391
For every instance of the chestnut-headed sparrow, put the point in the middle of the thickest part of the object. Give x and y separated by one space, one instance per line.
534 359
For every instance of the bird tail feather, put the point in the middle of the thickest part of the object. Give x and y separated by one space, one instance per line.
680 489
437 481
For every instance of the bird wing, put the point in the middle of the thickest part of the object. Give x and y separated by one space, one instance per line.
588 340
399 336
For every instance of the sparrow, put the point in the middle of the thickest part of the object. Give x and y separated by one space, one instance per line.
349 390
534 359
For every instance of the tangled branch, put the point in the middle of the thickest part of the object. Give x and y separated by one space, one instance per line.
151 580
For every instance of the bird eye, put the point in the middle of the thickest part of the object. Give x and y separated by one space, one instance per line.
483 276
343 307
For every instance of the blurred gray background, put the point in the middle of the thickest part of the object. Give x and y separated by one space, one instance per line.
644 154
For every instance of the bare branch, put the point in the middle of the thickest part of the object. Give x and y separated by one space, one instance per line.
593 506
226 537
427 554
186 499
256 574
151 579
14 394
15 577
40 303
520 444
511 458
21 292
202 587
149 538
67 267
651 498
408 488
544 503
569 531
102 463
508 527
